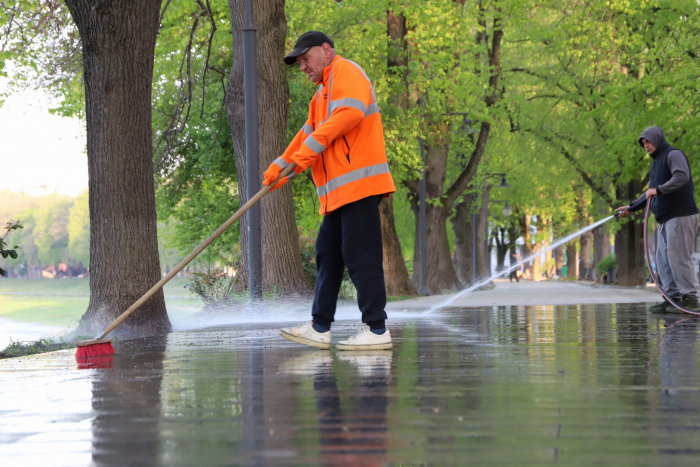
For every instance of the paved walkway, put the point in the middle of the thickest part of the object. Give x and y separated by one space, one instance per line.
527 292
575 385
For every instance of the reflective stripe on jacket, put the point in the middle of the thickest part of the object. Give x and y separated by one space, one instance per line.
342 140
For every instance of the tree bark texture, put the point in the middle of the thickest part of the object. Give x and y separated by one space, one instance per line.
462 224
441 271
571 260
119 38
586 241
396 275
282 269
482 250
502 247
629 241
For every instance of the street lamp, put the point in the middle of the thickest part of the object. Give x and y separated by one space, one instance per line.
252 157
422 227
507 211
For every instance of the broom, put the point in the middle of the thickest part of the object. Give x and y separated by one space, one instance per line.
101 346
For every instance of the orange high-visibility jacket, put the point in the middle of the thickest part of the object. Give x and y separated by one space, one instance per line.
342 139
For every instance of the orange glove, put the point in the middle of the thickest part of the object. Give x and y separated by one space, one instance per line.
274 171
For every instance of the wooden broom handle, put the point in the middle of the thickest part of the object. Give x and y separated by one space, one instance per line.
196 251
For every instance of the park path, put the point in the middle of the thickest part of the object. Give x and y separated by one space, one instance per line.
531 293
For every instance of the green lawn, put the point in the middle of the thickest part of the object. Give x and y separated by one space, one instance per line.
52 310
173 288
43 300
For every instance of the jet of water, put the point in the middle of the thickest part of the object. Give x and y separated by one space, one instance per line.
560 242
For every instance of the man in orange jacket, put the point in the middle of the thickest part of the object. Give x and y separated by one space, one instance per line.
343 143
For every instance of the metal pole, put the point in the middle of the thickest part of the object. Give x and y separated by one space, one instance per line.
252 157
422 227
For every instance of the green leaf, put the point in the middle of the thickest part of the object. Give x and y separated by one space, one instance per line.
5 253
13 254
2 272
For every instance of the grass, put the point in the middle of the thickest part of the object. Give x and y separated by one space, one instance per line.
21 349
49 310
174 288
58 302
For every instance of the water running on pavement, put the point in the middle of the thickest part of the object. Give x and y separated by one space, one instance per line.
498 274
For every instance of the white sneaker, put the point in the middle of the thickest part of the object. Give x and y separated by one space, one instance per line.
306 334
369 363
365 339
309 363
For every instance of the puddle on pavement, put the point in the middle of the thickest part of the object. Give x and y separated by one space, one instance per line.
574 385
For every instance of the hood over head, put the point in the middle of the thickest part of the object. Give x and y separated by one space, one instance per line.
655 135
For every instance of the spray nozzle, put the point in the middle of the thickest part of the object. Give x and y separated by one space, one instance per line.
619 213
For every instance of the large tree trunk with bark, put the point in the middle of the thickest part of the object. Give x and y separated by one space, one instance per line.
482 249
396 275
462 224
118 40
629 241
282 267
586 241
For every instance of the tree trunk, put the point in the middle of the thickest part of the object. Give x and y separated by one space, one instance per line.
559 260
281 256
571 260
462 224
629 242
396 277
586 257
481 232
118 40
502 247
441 270
524 224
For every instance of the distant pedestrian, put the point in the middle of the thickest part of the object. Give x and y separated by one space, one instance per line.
514 259
673 203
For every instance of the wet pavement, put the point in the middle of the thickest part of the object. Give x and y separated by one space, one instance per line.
568 385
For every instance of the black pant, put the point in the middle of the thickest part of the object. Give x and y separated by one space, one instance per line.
351 236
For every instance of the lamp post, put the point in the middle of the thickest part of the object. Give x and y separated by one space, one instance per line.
503 184
252 156
422 228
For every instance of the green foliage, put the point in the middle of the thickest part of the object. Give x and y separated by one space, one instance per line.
11 252
608 262
214 287
578 82
21 349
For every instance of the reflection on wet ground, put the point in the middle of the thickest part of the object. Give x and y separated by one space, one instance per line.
569 385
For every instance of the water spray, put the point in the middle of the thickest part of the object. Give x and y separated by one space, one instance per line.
496 275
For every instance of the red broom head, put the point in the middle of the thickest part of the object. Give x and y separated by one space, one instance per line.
104 362
94 350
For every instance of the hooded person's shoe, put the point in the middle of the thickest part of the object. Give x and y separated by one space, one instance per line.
661 307
688 303
307 335
365 339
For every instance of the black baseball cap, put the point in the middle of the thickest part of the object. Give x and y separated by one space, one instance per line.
304 43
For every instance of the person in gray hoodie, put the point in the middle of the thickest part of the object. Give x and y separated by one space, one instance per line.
673 203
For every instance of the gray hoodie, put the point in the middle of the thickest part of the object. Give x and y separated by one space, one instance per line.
677 163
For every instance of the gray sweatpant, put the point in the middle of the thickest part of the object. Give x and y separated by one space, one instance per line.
676 242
